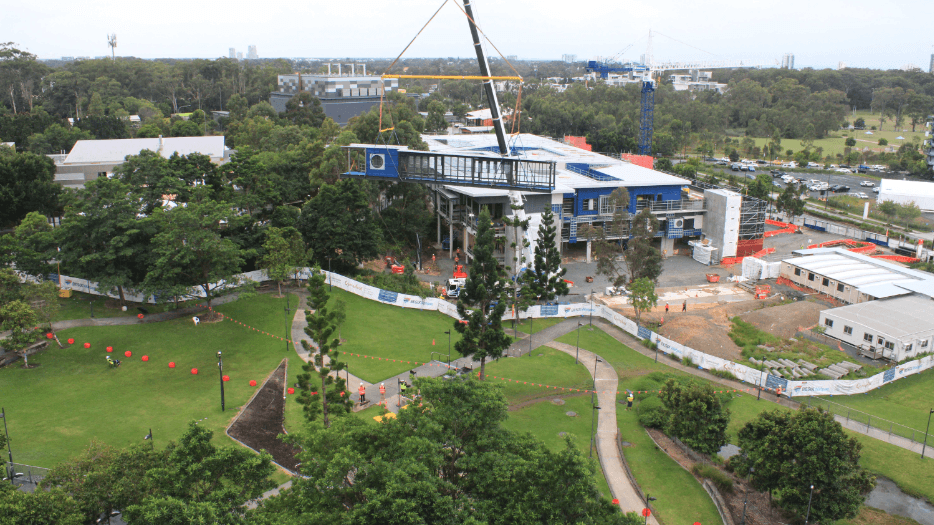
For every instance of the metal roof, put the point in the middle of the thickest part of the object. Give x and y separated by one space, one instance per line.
875 277
899 317
114 151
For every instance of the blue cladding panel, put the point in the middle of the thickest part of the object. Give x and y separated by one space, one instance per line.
391 165
549 309
888 375
644 333
773 382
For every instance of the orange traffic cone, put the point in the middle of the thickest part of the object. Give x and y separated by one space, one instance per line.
432 342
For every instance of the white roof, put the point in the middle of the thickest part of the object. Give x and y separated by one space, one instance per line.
633 175
911 188
116 150
875 277
899 317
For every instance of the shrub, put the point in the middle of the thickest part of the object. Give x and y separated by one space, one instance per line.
725 374
686 361
651 412
721 480
648 344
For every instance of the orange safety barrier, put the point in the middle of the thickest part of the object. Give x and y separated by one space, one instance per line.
897 258
849 244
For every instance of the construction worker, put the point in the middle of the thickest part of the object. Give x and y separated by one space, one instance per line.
402 386
362 391
382 393
629 399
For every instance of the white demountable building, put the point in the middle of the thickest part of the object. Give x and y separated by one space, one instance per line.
906 191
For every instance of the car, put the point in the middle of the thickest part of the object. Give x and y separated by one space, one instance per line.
813 165
861 195
776 184
842 170
722 162
761 162
775 173
751 168
815 181
734 167
875 190
867 184
839 188
862 168
743 167
814 187
791 164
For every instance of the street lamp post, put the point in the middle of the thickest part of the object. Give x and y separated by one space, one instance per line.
287 324
596 360
591 308
925 433
148 437
578 353
6 432
759 394
808 515
220 368
593 411
91 302
329 274
647 500
449 348
745 496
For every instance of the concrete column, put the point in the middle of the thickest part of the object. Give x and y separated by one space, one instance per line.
588 251
450 239
668 247
466 257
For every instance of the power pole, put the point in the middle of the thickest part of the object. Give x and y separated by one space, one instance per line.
112 42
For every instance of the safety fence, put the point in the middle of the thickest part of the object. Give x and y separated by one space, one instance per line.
870 422
24 473
742 372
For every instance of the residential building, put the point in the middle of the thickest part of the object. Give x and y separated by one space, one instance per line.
928 145
569 58
91 159
233 53
251 53
931 67
239 55
697 80
788 61
897 328
342 96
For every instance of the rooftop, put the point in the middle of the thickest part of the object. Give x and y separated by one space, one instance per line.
898 317
875 277
116 150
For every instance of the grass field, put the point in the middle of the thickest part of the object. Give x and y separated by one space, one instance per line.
537 324
553 368
380 330
79 306
73 396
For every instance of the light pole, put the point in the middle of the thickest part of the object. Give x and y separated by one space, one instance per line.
922 446
148 437
759 394
287 324
596 360
91 302
745 495
449 348
593 411
578 353
808 515
530 334
220 368
647 500
591 308
329 274
6 432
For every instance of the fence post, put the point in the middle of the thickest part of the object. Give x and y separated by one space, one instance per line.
848 416
868 422
890 432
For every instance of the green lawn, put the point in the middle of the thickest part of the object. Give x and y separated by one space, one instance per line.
390 332
54 410
79 306
537 324
681 499
553 368
628 363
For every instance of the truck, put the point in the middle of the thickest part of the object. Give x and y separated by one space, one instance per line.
456 282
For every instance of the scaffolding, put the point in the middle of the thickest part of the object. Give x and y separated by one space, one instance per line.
752 218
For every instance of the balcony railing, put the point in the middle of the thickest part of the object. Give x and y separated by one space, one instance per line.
663 206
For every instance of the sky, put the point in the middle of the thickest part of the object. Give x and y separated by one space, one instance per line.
820 33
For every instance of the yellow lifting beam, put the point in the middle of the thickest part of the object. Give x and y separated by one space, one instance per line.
452 77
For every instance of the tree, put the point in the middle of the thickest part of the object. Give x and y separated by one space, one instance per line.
850 142
791 451
790 201
43 298
482 337
190 251
908 212
642 258
315 396
56 139
21 320
883 142
340 218
102 239
610 247
859 123
436 122
664 165
546 275
642 296
761 187
31 508
186 128
34 244
696 415
285 254
304 109
26 184
889 209
424 465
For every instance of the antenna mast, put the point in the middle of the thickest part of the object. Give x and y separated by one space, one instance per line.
112 42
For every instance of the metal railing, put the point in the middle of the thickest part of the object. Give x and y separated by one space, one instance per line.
870 422
678 205
24 473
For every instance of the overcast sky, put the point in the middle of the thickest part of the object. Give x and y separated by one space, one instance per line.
820 33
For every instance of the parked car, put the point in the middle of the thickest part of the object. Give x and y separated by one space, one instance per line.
743 167
861 195
867 184
776 184
813 165
791 164
839 188
862 168
734 166
815 181
875 190
842 170
751 168
722 162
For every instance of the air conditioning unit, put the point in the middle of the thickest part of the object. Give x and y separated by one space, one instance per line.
678 223
377 161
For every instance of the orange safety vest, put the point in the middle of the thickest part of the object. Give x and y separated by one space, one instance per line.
382 389
362 390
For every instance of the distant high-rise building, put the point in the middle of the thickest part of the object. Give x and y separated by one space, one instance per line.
931 68
233 53
251 52
841 65
239 55
512 58
788 61
569 58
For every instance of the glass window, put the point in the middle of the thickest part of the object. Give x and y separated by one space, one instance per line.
810 277
848 330
797 271
924 344
908 347
839 287
826 281
890 345
828 322
867 337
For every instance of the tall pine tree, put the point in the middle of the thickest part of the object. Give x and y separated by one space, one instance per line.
485 292
316 378
545 281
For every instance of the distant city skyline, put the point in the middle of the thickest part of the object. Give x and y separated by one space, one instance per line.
862 35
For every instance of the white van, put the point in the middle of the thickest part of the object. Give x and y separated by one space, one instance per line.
791 164
813 165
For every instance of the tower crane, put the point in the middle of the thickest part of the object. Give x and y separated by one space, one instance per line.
648 72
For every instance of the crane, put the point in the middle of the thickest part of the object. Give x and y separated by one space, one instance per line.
648 71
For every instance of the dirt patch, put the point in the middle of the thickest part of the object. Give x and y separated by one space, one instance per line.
786 320
871 516
260 423
758 509
540 399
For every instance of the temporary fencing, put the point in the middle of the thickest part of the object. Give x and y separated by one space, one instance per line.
868 421
784 227
742 372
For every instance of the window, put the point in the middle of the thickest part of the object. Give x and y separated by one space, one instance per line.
826 282
605 208
923 344
101 174
839 287
797 271
908 347
848 330
867 337
889 345
810 276
829 323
